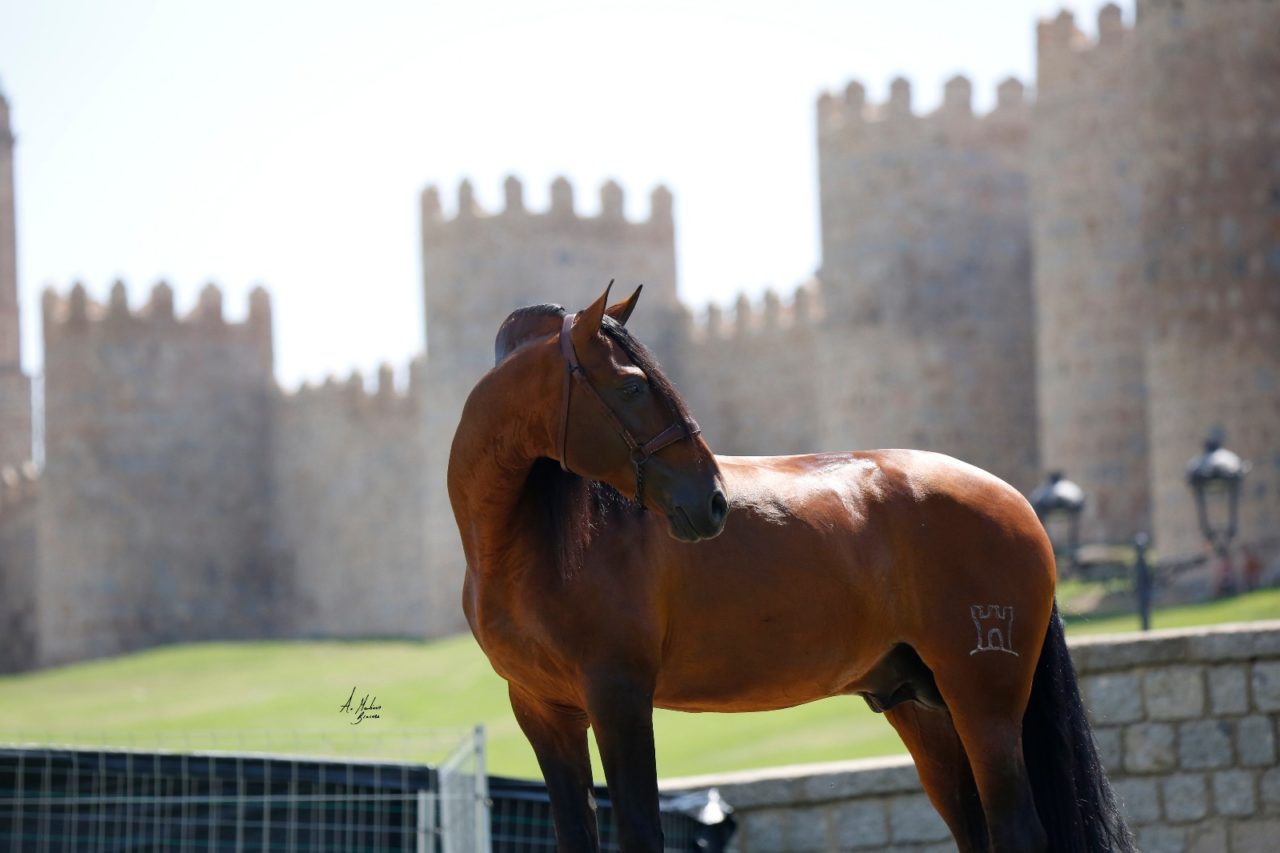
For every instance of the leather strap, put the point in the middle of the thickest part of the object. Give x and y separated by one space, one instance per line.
640 453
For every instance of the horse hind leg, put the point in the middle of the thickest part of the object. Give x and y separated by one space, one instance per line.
944 771
988 723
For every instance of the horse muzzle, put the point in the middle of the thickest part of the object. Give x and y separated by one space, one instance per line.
693 521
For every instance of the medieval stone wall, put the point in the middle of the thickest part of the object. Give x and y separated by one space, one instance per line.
1090 325
348 509
1210 135
154 510
926 276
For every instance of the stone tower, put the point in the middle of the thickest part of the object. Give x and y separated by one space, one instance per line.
1088 271
926 276
477 268
15 389
1210 139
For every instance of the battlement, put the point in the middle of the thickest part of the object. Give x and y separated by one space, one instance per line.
77 311
560 210
772 315
19 486
77 314
354 394
1063 47
849 115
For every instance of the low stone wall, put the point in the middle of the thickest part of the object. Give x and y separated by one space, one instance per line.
1186 723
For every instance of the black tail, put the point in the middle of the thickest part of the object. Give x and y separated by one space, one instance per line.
1077 808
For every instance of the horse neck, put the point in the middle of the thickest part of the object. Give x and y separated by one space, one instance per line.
501 435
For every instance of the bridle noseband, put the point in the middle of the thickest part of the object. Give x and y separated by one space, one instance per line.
640 453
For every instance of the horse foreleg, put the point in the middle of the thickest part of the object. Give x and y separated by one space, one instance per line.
944 771
621 712
559 740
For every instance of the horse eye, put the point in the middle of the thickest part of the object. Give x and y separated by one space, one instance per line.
632 389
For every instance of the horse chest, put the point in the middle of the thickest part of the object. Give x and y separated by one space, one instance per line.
523 648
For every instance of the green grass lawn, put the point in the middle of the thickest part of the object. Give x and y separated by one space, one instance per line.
176 695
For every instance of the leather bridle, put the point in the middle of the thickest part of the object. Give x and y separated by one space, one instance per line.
640 452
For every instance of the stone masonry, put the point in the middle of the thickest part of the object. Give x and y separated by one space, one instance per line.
1186 723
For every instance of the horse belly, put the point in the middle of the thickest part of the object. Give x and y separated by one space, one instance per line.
766 669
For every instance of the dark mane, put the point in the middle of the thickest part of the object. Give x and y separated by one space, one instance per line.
575 509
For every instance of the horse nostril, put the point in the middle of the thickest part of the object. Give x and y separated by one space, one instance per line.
719 507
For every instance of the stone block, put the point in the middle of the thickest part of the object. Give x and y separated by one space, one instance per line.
1113 698
1162 839
1207 837
913 818
860 824
1266 686
1234 794
1204 744
1139 799
1186 797
1229 689
763 830
806 830
1174 692
1255 836
1148 748
1256 741
1269 788
1110 746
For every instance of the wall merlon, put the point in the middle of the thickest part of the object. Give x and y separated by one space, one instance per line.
1010 94
430 202
208 308
957 96
612 201
562 198
160 304
899 103
513 195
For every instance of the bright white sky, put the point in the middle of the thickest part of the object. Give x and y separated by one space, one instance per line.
285 143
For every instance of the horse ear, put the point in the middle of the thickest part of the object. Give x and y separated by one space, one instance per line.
588 321
622 311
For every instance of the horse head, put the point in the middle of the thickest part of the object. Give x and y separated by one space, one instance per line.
620 421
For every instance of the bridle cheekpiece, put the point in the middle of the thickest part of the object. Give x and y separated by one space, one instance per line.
640 452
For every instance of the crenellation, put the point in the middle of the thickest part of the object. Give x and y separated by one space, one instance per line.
957 98
118 305
430 205
467 207
771 311
159 304
612 202
561 199
899 104
513 192
744 319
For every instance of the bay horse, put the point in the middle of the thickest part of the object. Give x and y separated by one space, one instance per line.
615 564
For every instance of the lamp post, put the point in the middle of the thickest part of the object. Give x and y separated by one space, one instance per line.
1060 500
1215 477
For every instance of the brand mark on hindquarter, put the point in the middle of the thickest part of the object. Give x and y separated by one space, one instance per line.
995 628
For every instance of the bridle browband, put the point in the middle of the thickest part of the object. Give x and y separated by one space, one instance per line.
640 453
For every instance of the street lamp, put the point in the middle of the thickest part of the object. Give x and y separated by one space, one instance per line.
1060 501
1215 477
